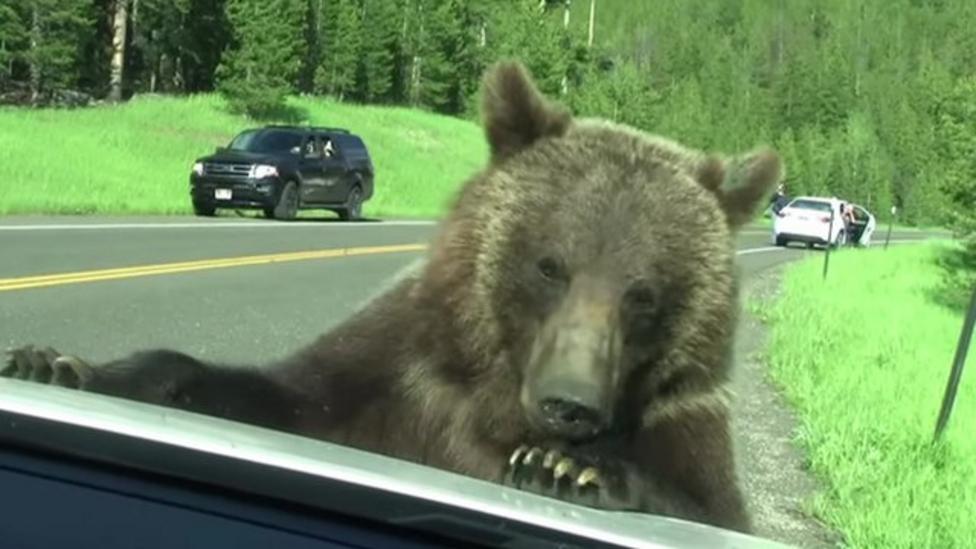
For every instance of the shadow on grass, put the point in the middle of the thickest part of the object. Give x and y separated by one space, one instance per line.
285 114
314 218
278 114
955 288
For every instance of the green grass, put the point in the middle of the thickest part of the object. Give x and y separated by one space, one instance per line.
136 157
864 358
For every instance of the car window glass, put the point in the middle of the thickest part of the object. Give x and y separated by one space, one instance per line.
815 205
267 141
312 148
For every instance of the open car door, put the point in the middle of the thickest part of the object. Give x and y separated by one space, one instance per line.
863 227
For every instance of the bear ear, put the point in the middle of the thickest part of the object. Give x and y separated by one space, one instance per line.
711 173
751 181
515 113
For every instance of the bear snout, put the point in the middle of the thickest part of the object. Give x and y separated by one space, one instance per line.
571 409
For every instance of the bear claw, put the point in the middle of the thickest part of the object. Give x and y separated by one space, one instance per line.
45 365
590 475
553 473
575 477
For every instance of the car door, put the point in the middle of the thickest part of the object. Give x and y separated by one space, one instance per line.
869 225
311 168
335 172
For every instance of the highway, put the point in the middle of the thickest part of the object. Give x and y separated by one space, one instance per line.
234 290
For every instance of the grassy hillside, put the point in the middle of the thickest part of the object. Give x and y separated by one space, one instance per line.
136 157
864 357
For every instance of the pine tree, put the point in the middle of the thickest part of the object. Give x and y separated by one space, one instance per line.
208 34
159 36
379 37
258 71
336 74
519 31
13 39
55 30
440 46
796 173
314 35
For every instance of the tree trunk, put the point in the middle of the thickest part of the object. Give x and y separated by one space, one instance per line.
35 63
179 82
415 69
118 50
135 18
564 84
415 80
10 60
589 38
859 53
780 43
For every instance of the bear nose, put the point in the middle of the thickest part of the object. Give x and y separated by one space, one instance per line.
571 416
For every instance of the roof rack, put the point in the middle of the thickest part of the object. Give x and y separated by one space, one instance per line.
313 128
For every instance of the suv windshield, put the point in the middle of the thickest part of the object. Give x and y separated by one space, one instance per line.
815 205
266 141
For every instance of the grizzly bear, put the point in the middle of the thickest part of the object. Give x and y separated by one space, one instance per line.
569 331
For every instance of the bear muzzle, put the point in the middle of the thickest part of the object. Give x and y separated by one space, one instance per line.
569 388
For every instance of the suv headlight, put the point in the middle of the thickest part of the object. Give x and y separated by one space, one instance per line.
198 168
260 171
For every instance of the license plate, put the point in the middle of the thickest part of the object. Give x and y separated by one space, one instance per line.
223 194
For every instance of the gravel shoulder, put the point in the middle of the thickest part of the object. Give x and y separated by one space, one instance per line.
772 469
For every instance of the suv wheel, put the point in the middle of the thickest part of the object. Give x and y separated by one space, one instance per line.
354 205
287 206
204 209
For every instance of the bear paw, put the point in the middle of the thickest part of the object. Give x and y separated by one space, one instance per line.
573 478
45 365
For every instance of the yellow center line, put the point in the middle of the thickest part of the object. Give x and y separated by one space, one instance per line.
40 281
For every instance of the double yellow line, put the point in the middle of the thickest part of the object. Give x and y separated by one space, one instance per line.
40 281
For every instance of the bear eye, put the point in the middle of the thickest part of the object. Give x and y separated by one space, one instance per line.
672 385
641 299
551 269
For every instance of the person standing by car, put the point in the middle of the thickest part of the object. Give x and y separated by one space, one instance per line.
779 199
847 214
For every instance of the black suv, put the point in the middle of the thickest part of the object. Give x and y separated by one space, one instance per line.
282 169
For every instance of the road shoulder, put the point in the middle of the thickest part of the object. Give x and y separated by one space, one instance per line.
772 469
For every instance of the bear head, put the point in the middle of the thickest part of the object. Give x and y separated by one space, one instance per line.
588 271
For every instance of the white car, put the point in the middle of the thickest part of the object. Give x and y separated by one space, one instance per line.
807 219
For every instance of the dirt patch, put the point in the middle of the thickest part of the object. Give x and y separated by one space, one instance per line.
774 477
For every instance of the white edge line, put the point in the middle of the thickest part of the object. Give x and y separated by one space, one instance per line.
759 250
231 224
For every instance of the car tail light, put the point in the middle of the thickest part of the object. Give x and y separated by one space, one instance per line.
825 219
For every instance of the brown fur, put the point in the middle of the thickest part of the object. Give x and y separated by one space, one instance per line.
436 370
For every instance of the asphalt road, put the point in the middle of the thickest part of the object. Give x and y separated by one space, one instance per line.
295 281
